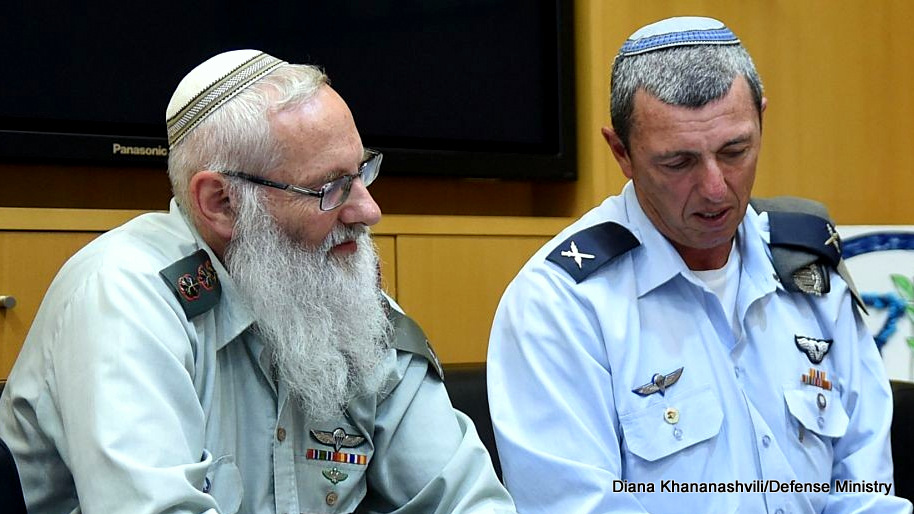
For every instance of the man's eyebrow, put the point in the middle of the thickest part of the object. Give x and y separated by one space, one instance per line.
672 154
745 138
332 175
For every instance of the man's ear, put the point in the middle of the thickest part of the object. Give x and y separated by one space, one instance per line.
619 151
212 204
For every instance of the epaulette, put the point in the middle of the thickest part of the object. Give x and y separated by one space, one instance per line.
409 337
194 282
804 244
588 250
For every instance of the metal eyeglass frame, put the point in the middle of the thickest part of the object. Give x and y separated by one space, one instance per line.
368 172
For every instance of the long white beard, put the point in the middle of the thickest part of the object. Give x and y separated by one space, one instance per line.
321 316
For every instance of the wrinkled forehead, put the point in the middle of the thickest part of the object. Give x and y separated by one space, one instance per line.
318 136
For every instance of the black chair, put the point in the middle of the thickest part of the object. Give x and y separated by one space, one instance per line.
11 499
466 386
902 449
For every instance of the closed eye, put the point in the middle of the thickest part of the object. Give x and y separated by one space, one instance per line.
676 164
735 153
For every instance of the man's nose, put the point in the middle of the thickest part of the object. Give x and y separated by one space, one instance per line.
360 207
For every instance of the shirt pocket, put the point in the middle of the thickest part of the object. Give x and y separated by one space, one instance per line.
672 423
331 478
223 483
818 410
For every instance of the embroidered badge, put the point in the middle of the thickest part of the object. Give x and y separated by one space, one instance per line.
188 287
816 377
206 275
811 279
334 475
815 349
659 382
337 439
577 256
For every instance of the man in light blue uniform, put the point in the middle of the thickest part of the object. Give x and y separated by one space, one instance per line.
236 354
678 349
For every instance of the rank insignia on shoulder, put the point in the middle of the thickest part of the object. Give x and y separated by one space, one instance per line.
574 254
194 282
807 232
588 250
815 349
659 383
834 239
805 246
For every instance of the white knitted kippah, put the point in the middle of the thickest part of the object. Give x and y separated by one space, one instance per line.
210 85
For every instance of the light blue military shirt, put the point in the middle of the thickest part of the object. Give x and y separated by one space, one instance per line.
119 403
751 413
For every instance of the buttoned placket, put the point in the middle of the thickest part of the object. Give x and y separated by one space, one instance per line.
285 488
284 481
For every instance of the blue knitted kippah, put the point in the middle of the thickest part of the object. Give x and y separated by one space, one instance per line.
680 31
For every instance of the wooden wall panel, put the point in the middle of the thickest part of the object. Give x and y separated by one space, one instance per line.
451 286
387 255
29 260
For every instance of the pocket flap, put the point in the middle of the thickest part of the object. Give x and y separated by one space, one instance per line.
649 435
223 483
805 404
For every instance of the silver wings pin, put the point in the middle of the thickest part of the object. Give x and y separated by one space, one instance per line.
337 439
659 382
815 349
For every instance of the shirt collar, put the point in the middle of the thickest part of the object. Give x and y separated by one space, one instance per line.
657 262
755 235
231 315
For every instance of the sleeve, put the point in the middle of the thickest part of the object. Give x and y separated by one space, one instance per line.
551 398
428 457
864 453
121 379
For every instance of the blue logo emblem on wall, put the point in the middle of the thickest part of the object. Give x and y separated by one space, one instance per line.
882 265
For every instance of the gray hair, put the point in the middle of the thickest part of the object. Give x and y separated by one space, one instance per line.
238 135
688 76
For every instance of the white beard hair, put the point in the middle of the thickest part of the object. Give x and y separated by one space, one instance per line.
321 316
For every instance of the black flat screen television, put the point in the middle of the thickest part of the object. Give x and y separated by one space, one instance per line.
459 88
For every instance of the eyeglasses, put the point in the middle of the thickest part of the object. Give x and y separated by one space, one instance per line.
333 193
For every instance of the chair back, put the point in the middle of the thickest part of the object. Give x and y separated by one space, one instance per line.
10 486
902 445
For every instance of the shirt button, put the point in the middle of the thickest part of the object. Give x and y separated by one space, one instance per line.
677 433
766 441
671 415
281 434
779 511
820 401
736 371
821 422
331 498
